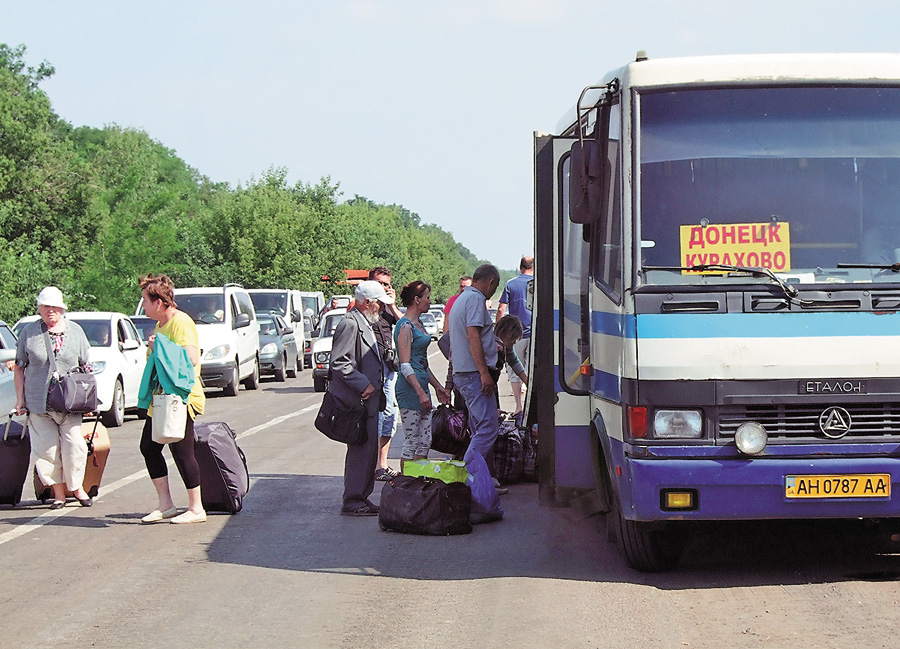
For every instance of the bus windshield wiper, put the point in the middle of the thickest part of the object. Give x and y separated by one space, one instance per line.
895 267
757 271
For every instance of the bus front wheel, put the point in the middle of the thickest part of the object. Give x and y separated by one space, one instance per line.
647 547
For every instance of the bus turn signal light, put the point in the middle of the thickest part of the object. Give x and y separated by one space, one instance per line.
675 499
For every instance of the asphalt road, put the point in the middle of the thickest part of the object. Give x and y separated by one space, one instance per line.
288 571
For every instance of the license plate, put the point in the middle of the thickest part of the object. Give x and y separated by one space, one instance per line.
877 485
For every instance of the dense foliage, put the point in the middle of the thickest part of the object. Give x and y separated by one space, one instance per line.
90 210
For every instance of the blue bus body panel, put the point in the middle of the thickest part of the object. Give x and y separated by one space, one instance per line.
573 452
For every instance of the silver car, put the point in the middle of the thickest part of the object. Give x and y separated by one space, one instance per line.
431 325
7 384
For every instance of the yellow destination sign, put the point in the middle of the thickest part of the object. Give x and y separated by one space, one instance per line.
766 245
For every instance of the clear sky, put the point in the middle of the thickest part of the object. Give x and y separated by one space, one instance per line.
430 105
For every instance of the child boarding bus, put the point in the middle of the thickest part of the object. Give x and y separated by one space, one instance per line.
718 286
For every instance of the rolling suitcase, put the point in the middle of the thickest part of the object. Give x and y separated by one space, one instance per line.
97 438
15 456
224 479
425 506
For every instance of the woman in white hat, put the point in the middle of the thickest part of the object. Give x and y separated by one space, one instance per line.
57 445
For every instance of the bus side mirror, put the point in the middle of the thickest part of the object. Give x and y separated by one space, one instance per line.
585 181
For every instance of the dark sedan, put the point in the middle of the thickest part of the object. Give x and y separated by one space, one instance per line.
277 347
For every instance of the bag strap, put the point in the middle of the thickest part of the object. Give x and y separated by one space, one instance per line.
90 440
51 356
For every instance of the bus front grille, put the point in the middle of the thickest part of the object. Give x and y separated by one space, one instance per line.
876 420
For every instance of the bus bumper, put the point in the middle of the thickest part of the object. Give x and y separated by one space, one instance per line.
741 489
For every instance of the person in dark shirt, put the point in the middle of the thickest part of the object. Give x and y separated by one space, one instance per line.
384 335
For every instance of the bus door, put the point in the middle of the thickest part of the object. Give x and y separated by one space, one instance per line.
559 393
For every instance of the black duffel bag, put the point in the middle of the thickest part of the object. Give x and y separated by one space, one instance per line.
425 506
345 423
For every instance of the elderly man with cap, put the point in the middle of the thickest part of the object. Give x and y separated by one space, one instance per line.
57 445
357 372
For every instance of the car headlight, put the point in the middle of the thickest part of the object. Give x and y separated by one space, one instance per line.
97 367
323 357
269 348
677 424
217 352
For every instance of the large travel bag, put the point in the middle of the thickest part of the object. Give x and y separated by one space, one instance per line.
224 479
425 506
508 454
15 456
97 438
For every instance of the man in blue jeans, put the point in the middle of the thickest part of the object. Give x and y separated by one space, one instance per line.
474 350
384 335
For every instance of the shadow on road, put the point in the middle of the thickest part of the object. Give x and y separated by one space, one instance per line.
291 522
298 389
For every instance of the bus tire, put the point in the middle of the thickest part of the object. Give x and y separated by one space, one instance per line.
647 547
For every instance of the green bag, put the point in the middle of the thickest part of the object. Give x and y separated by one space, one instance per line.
444 470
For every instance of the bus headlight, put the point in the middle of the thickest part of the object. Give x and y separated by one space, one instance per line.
751 438
677 424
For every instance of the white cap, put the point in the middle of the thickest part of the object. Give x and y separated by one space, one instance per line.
51 296
372 290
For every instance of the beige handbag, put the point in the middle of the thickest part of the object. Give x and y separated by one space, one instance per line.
169 418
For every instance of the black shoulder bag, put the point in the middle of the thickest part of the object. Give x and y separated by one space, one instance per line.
342 422
75 391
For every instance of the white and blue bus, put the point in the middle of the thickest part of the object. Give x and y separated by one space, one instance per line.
718 295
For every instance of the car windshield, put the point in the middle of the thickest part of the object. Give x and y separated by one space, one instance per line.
206 308
310 303
427 318
794 179
264 302
267 326
329 324
144 325
97 331
7 338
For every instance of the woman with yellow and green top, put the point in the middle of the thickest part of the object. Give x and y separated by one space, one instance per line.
178 327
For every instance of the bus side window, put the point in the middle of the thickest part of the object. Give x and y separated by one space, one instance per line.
606 259
574 306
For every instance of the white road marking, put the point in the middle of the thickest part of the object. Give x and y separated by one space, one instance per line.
51 515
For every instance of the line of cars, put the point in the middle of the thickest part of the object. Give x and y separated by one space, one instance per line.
242 335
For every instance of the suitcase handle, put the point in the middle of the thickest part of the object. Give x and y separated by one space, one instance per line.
9 422
90 440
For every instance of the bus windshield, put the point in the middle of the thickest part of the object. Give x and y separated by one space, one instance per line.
794 179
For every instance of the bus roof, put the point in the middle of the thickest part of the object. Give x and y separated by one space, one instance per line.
747 69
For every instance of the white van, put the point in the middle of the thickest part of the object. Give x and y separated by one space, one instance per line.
228 331
286 303
313 303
